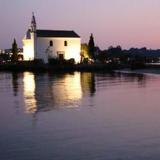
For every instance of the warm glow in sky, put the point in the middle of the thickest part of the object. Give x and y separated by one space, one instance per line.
129 23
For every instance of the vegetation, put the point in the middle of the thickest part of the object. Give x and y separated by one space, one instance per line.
113 57
91 47
14 51
56 61
84 53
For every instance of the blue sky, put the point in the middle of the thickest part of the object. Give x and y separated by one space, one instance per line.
129 23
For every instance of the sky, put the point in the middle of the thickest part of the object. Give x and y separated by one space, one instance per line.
128 23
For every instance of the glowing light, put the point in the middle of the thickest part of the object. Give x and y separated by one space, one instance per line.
69 92
73 53
28 50
29 92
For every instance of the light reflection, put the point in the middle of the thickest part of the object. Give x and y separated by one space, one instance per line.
88 83
45 92
29 92
67 92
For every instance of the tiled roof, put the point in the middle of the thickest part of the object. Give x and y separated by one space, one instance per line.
57 33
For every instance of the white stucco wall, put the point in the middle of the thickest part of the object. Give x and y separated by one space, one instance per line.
29 48
72 50
28 51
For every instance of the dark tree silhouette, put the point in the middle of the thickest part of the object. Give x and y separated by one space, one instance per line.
91 47
14 51
115 51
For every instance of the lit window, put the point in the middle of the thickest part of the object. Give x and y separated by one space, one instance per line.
65 43
51 43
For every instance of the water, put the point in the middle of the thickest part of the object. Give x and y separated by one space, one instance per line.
79 116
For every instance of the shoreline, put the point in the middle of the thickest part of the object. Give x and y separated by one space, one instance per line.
40 67
148 71
62 68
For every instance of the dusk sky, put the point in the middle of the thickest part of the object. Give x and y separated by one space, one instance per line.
129 23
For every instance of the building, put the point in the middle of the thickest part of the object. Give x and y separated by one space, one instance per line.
49 44
6 55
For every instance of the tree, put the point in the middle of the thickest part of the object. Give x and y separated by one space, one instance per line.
84 52
102 56
115 51
91 47
14 51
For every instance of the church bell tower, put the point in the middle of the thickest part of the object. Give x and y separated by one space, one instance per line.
33 23
34 35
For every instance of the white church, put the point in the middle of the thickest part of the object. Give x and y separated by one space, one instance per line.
48 44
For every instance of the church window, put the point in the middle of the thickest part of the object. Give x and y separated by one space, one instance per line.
51 43
65 43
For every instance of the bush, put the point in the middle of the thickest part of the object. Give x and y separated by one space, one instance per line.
38 61
53 61
85 61
70 61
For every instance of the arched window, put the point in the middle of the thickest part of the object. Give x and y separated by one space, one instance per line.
65 43
51 43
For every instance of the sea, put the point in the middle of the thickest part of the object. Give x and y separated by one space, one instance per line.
79 116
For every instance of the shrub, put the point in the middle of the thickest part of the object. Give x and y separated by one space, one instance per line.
53 61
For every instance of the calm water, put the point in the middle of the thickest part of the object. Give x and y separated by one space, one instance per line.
79 116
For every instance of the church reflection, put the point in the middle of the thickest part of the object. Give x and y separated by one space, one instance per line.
29 92
47 91
66 90
44 92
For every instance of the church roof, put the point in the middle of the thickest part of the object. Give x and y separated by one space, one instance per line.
57 33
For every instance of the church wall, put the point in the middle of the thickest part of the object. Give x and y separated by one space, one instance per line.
45 51
28 50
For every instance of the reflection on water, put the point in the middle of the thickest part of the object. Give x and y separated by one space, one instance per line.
29 92
67 90
47 91
44 92
79 116
88 83
113 79
15 83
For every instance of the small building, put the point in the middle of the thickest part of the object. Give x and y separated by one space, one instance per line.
50 44
6 55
